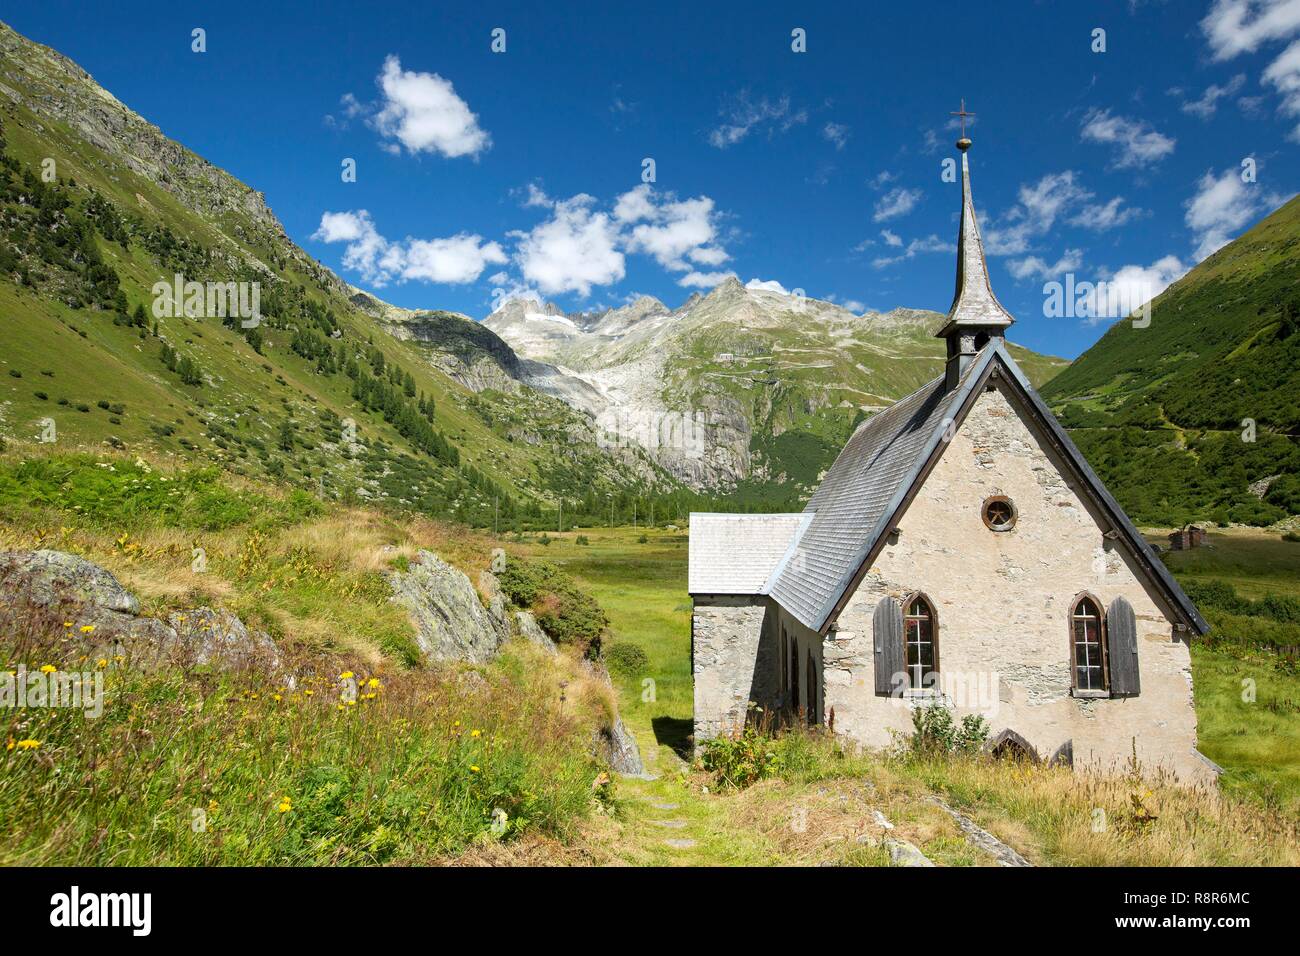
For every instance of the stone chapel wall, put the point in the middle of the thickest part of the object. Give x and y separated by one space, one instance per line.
1002 601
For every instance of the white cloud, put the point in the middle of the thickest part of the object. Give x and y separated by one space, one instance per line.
836 133
1033 267
743 116
1233 27
422 112
897 202
454 260
767 285
1135 142
537 197
1222 205
1108 215
1127 289
704 280
1283 74
672 230
891 238
1038 207
1205 107
931 243
575 249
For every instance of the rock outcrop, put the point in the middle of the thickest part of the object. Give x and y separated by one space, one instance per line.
450 619
55 594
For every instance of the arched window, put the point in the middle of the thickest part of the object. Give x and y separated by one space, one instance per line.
811 678
920 640
1088 644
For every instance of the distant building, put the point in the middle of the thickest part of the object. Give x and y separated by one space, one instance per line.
1185 538
960 552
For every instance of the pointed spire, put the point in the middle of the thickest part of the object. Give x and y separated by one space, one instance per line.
973 302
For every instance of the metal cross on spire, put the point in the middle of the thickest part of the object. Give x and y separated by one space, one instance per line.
963 114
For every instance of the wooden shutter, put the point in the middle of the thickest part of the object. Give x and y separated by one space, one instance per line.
1121 635
887 629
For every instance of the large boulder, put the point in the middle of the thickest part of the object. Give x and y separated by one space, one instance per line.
83 608
617 745
450 620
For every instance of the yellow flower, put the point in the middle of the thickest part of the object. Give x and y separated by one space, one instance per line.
476 733
473 769
285 805
102 662
48 668
309 692
87 629
346 675
276 697
373 682
10 744
352 703
28 744
67 624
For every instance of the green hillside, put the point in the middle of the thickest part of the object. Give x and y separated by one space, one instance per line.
1196 416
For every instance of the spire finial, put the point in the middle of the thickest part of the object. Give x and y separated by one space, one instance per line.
964 143
976 315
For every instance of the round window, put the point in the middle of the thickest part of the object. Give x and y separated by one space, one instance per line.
999 513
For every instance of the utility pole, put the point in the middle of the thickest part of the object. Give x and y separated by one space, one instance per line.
633 514
559 521
496 514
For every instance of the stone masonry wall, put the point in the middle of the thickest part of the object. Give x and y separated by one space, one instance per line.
1002 601
730 646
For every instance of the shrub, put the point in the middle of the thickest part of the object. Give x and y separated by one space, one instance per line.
581 540
567 614
625 658
642 540
935 733
739 759
42 396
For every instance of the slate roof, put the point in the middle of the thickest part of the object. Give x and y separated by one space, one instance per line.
739 553
887 457
857 496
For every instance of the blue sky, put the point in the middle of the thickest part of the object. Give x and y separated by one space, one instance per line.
820 170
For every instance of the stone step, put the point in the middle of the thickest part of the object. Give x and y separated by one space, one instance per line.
670 824
680 844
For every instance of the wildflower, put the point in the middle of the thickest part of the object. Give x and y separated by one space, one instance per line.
101 663
87 629
352 703
48 668
276 697
346 675
67 624
28 744
309 693
476 733
373 682
10 744
285 805
474 769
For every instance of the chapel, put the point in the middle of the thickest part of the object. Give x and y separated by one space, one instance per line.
959 553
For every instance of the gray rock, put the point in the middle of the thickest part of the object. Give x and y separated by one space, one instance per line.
215 637
902 853
978 836
498 607
451 621
56 579
529 629
617 745
46 590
